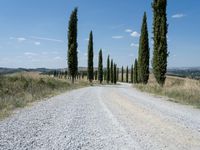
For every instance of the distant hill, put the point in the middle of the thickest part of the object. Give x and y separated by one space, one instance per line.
189 72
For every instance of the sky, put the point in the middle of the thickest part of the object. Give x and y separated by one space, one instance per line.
33 33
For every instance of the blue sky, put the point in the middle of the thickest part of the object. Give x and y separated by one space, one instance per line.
33 33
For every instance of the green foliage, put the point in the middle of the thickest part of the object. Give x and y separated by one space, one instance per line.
127 74
132 70
100 67
143 56
90 58
115 74
111 72
135 72
72 45
108 69
122 74
160 29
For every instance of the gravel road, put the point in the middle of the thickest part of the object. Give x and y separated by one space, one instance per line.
103 117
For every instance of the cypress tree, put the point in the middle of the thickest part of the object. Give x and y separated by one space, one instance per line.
90 59
131 73
135 72
100 67
73 45
105 75
143 56
111 71
122 74
108 69
115 74
160 29
127 74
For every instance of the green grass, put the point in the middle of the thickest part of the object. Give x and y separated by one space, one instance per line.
180 90
17 91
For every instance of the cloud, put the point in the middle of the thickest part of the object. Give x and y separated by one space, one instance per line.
87 39
135 34
46 39
128 30
19 39
117 37
175 16
134 45
30 54
37 43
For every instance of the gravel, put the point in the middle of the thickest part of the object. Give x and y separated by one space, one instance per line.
104 117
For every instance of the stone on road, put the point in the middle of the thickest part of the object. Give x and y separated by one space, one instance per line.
104 117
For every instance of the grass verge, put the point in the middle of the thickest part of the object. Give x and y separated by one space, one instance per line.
18 90
180 90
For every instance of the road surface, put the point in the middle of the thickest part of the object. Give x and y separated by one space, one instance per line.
103 117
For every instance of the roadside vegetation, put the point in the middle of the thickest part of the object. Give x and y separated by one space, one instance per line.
180 90
20 89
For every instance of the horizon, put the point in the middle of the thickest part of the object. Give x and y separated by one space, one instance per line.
34 33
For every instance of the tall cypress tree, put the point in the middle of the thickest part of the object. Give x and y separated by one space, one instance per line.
131 73
90 58
100 67
73 45
115 74
108 70
160 29
135 72
122 74
127 74
111 71
143 56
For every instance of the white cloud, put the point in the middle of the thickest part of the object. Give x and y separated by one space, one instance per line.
21 39
37 43
117 37
134 45
46 39
30 54
178 16
135 34
87 39
128 30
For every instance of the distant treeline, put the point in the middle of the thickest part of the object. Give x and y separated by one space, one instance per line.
193 74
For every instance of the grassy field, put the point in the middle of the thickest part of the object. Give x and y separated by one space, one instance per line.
181 90
17 90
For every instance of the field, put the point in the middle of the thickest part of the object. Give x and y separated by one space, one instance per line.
18 90
181 90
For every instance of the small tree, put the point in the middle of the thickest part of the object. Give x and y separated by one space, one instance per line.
132 73
100 67
108 70
90 59
72 45
111 71
135 75
127 74
122 74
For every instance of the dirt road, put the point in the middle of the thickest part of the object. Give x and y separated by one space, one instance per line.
105 117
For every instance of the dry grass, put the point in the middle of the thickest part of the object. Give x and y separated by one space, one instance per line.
22 88
181 90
